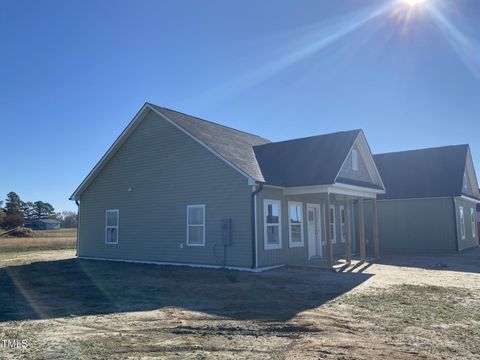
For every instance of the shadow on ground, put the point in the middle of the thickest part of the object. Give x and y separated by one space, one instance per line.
464 261
86 287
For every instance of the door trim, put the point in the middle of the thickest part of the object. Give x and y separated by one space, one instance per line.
319 249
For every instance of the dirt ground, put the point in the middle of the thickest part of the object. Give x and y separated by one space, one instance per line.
399 308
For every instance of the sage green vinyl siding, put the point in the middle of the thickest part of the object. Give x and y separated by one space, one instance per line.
471 240
417 225
287 254
166 171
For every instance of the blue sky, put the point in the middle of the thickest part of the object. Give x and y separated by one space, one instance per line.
73 74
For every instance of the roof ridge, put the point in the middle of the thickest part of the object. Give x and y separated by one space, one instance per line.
209 121
422 149
311 137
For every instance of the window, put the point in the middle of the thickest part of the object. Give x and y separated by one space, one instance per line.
354 160
462 222
295 223
342 223
111 227
473 220
465 182
196 225
332 224
272 226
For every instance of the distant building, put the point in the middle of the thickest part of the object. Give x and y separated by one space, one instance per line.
45 224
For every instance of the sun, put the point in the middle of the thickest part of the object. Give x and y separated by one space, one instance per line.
413 2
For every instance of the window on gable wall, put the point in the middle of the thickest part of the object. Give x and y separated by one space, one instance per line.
111 226
354 160
465 184
196 225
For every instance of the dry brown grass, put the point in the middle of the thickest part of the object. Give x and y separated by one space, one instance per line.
43 240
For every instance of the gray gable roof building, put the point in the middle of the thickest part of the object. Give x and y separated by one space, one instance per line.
423 173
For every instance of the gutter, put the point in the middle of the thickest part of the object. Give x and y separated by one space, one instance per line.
253 213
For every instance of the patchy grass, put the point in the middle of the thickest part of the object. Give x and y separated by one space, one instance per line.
43 240
451 313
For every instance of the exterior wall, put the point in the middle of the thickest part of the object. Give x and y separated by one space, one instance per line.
361 174
166 170
471 239
295 255
416 225
467 185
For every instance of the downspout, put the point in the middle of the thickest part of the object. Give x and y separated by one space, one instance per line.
78 226
253 213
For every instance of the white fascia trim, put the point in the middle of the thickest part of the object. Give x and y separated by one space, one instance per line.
121 138
337 188
250 180
202 266
467 198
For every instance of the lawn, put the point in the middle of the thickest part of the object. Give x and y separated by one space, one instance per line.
64 307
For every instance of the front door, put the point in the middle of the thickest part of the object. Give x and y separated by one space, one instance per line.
313 230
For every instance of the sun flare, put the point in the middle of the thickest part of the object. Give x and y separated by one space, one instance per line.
413 2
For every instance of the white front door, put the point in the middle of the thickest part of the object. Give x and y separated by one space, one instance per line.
313 230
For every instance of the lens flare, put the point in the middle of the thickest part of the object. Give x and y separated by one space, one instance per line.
413 2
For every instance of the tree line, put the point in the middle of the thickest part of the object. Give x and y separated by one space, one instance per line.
17 212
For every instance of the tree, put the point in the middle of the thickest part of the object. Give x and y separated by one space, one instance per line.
42 210
2 217
14 205
29 211
69 219
12 221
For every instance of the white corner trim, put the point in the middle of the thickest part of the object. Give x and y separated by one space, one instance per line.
201 266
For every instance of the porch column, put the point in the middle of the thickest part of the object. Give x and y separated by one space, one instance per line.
376 243
346 209
328 232
361 227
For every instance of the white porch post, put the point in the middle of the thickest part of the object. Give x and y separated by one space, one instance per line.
328 232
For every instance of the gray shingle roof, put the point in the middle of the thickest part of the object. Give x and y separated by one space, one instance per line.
434 172
233 145
313 160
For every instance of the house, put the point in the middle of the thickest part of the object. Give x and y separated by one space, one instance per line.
45 224
176 189
430 201
478 218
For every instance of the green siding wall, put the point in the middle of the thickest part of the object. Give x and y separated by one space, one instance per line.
167 171
471 237
294 255
416 225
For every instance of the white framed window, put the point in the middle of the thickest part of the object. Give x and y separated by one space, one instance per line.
342 223
465 182
111 226
333 224
272 224
196 225
474 222
354 160
295 224
462 222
